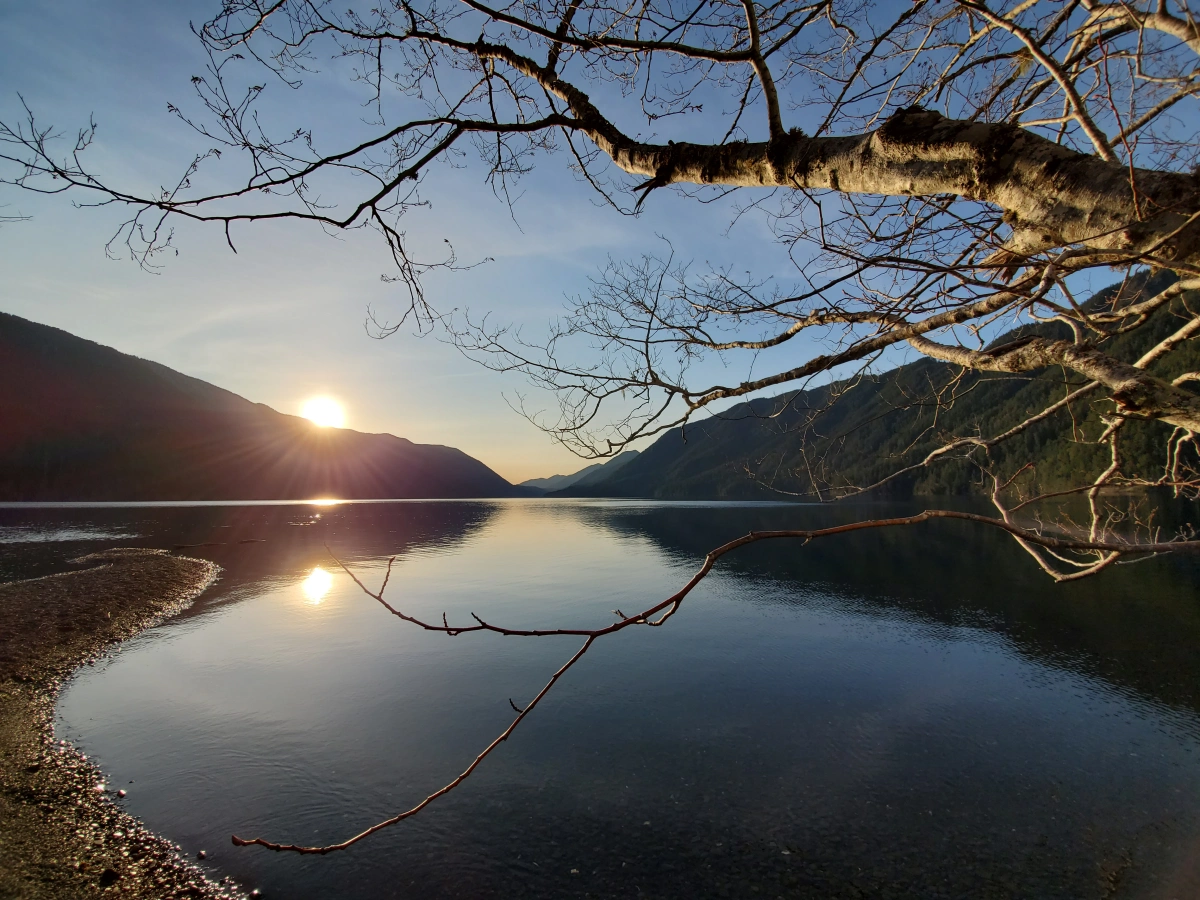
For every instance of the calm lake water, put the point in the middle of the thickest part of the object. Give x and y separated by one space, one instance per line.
915 713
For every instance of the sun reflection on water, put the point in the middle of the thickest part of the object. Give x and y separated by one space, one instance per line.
316 585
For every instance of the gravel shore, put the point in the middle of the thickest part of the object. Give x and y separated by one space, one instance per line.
63 833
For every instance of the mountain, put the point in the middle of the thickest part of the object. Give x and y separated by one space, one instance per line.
80 421
791 445
585 476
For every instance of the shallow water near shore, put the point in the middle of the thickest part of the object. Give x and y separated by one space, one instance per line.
910 713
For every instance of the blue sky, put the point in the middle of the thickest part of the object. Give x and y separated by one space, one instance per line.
283 319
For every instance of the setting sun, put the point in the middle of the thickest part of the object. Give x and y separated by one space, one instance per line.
324 411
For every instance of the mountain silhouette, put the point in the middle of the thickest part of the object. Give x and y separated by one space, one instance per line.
592 474
81 421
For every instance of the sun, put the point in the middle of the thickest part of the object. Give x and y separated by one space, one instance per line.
324 411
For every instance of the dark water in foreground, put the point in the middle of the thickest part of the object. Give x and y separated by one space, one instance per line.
915 713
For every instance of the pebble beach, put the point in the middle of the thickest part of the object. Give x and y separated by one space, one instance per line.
63 831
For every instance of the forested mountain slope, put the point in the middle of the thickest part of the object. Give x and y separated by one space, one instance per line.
801 445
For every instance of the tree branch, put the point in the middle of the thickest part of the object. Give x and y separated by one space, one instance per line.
664 609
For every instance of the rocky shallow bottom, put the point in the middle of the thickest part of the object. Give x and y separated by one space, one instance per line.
63 833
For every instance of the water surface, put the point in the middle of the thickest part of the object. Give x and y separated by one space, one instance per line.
913 713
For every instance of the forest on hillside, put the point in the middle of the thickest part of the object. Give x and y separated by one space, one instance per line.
834 440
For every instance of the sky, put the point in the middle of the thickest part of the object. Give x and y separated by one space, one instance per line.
283 318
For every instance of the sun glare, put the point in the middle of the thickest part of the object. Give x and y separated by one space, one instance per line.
324 411
316 585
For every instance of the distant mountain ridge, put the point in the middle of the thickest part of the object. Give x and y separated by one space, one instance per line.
81 421
774 448
592 474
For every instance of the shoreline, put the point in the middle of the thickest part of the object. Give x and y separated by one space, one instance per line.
63 833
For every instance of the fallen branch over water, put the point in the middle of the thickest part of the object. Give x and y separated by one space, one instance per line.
1103 552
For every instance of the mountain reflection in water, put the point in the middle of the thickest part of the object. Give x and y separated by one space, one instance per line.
907 713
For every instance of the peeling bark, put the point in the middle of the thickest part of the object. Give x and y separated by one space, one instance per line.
1053 196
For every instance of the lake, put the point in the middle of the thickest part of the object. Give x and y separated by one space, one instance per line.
908 713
